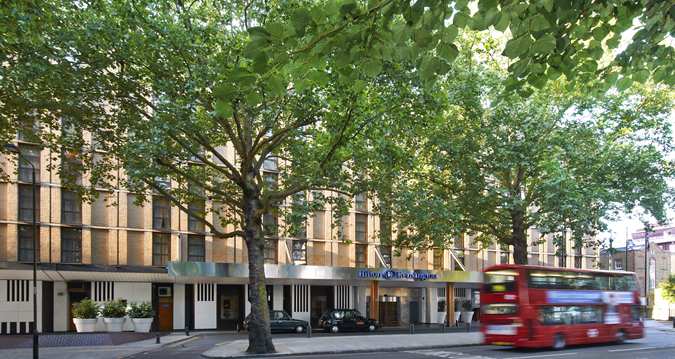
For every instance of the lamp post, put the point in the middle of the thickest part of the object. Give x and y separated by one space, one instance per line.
14 149
646 267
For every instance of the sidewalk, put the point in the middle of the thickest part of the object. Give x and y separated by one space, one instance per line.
98 352
348 344
661 325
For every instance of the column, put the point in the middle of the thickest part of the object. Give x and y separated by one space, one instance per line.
374 300
450 303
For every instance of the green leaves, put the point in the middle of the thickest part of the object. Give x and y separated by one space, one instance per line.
448 52
518 46
544 44
539 23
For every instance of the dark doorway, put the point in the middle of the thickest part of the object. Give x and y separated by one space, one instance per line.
414 311
389 315
288 307
321 300
77 291
162 301
270 297
230 306
47 307
190 306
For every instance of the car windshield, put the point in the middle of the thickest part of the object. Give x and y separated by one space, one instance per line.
279 315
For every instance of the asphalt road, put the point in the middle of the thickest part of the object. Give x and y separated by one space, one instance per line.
656 344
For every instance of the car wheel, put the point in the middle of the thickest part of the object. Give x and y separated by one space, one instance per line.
299 329
371 328
620 336
559 342
334 329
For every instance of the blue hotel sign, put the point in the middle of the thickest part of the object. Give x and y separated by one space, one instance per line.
394 275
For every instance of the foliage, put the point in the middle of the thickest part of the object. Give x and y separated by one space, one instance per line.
466 305
114 309
668 289
141 310
85 309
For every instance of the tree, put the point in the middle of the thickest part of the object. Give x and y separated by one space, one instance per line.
169 91
668 289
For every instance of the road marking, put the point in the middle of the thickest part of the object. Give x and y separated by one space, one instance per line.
446 354
543 356
631 349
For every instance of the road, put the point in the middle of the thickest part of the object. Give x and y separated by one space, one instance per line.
656 344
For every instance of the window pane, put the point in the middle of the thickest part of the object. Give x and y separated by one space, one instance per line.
361 202
195 224
317 224
361 227
71 245
161 213
299 252
361 255
26 243
270 164
26 203
438 258
71 207
29 155
161 248
196 250
385 251
271 251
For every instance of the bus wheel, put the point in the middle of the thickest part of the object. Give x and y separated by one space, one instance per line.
558 342
620 336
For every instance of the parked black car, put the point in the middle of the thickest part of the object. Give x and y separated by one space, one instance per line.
346 320
280 321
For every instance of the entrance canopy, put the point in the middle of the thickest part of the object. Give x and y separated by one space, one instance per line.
210 270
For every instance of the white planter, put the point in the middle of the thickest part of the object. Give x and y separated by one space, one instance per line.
142 325
113 324
467 317
85 325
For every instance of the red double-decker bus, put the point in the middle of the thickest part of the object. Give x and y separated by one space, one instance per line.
534 306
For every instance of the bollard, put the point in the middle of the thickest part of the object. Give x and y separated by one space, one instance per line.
412 328
157 339
673 322
443 328
309 330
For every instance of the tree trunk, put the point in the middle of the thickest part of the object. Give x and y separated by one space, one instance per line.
518 236
259 334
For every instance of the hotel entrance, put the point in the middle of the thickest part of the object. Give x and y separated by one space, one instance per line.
321 300
389 311
230 306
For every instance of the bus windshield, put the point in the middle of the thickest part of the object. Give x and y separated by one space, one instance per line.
500 281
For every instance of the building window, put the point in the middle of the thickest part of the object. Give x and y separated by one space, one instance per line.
271 164
618 264
196 250
161 213
195 224
71 207
29 131
361 202
577 261
26 243
29 155
438 258
459 253
26 203
271 180
361 228
504 254
161 248
385 252
299 251
270 225
71 245
361 255
271 250
317 224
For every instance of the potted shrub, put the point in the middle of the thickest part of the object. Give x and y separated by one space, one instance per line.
467 311
458 310
85 315
141 315
113 315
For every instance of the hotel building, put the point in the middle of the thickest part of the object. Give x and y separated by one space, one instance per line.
113 248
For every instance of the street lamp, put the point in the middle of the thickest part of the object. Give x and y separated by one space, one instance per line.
10 147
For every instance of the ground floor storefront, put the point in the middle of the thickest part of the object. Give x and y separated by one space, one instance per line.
214 296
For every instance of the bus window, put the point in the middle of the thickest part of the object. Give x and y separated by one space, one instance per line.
568 315
623 282
501 308
500 281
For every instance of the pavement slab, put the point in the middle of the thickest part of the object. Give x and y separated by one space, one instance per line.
347 344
